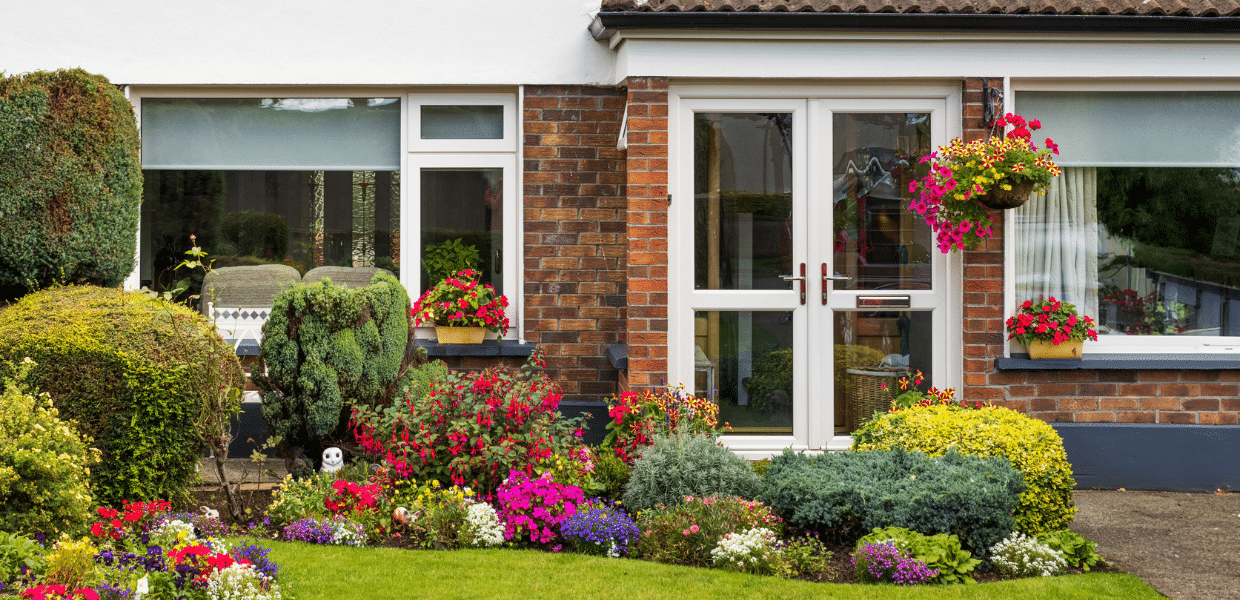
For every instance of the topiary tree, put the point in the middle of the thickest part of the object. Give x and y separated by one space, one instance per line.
326 347
125 367
70 181
44 465
1033 447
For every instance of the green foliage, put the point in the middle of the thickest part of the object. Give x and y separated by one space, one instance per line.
1076 550
686 464
611 472
123 367
473 428
252 233
804 556
967 496
70 181
770 387
18 552
687 531
940 551
418 381
44 466
299 498
71 564
325 349
1033 447
448 258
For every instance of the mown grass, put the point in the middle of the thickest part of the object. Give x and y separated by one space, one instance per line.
310 572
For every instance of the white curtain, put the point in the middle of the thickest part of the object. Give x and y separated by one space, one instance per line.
1056 242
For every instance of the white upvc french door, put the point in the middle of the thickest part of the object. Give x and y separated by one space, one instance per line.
799 282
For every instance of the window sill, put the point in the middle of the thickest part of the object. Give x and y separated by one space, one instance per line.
1129 362
487 348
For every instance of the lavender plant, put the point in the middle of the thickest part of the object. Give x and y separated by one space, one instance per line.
601 529
885 563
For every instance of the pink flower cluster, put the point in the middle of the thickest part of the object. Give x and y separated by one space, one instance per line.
536 507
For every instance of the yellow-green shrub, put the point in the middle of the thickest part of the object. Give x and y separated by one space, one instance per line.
44 466
1034 448
133 373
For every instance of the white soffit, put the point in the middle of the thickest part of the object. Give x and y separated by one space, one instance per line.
798 55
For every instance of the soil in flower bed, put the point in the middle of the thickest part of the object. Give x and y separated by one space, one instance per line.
255 498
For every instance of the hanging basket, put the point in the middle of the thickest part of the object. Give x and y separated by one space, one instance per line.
460 335
1001 199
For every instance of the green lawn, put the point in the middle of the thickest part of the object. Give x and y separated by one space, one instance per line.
308 572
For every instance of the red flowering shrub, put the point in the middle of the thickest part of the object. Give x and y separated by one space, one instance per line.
132 519
471 429
349 497
636 418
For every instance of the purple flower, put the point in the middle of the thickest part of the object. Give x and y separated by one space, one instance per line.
885 563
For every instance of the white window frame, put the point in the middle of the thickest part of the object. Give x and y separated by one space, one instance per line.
810 431
462 154
136 93
1112 344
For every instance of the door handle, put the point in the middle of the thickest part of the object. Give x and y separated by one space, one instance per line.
827 278
800 278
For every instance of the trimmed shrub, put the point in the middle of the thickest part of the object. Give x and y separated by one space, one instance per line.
70 181
129 370
325 348
684 464
1033 447
44 469
852 492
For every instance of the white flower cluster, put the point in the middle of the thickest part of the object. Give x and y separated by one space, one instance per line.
1023 556
173 533
484 529
241 582
347 533
749 551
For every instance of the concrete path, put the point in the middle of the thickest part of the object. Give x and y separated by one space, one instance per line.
1185 545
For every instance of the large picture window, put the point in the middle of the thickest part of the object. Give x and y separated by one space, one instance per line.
305 182
1142 230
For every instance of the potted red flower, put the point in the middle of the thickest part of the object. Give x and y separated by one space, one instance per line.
462 309
1051 329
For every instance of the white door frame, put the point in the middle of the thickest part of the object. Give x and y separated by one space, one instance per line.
812 107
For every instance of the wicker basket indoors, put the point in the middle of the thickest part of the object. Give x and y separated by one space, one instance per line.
866 395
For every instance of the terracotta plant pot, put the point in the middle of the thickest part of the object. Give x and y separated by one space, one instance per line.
1040 349
1004 199
460 335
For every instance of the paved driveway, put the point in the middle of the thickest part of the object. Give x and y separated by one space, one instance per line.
1185 545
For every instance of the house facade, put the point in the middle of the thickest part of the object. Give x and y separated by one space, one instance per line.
716 193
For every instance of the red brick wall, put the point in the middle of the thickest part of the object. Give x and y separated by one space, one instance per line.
646 231
574 198
1080 396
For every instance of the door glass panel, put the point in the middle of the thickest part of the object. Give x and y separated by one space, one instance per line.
462 122
873 349
743 360
466 205
877 241
742 201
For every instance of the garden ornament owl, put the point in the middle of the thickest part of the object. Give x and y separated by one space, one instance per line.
333 459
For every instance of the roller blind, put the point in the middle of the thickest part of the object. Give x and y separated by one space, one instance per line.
1132 129
289 134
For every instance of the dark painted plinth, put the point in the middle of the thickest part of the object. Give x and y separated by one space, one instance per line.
1138 456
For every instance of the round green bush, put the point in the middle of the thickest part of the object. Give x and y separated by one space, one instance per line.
132 372
44 466
1034 448
325 349
682 464
70 181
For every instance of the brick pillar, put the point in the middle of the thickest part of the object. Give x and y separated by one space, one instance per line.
646 324
574 232
983 277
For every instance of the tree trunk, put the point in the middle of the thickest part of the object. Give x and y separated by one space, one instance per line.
219 447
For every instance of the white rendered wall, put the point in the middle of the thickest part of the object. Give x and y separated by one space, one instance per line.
367 42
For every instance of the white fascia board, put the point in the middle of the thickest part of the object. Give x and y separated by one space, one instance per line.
879 55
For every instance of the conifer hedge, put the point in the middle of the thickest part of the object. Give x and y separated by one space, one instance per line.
70 181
